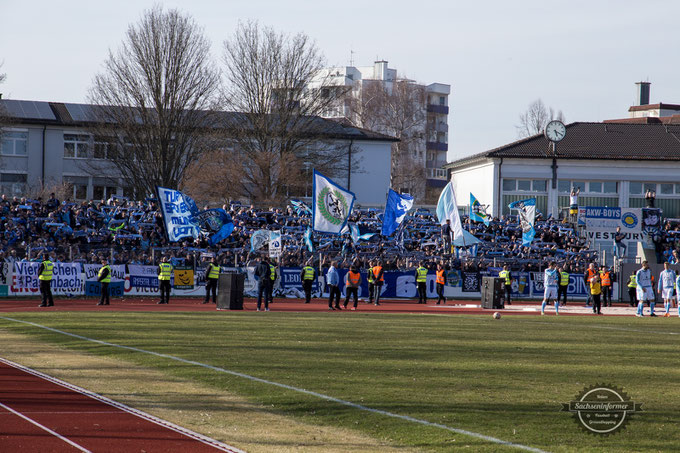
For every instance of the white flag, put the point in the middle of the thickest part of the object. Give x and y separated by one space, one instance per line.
332 205
447 209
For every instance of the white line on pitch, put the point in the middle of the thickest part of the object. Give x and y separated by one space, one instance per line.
43 427
290 387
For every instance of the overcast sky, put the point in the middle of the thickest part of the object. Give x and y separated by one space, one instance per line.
581 57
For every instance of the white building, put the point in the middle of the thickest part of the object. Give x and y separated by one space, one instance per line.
431 150
51 143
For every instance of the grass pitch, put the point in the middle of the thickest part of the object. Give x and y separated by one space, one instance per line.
503 378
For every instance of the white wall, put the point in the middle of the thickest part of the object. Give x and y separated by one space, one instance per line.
371 179
478 180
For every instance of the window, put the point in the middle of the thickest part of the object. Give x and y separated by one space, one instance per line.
76 146
523 185
104 147
666 189
539 185
610 187
650 186
509 185
578 185
563 186
595 187
13 184
79 185
14 143
442 100
677 188
635 188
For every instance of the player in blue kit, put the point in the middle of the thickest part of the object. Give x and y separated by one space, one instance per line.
550 279
666 287
643 278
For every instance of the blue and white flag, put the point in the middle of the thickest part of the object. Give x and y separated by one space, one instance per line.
477 211
300 207
357 232
447 209
183 219
527 216
332 205
308 240
258 239
396 208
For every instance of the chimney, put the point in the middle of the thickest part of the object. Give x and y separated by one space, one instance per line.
643 93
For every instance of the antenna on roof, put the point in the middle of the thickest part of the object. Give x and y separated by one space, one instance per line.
351 57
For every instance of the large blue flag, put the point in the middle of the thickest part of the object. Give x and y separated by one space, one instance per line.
396 208
477 211
183 219
527 216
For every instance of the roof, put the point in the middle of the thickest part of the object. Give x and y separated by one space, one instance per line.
84 115
660 106
597 141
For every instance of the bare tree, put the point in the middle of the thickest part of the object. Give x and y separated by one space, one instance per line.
397 109
278 137
154 98
535 118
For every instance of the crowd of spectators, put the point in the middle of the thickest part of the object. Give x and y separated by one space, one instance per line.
132 232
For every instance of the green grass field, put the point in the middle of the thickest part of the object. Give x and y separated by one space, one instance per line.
503 378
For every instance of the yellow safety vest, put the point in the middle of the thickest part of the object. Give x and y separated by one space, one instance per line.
421 275
564 278
106 279
46 274
505 275
308 273
371 278
213 271
272 272
166 270
633 281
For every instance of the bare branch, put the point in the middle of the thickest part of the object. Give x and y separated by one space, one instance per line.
535 118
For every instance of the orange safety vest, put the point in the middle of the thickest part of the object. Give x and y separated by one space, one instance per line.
606 279
353 279
376 271
441 280
591 273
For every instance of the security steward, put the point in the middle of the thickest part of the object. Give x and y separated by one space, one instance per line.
371 281
632 290
307 275
352 286
441 281
45 271
164 273
272 280
212 274
507 280
104 277
421 281
378 281
606 287
563 285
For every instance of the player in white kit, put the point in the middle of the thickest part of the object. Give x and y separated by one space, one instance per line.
550 279
643 278
666 287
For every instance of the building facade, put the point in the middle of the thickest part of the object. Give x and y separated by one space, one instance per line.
425 134
50 144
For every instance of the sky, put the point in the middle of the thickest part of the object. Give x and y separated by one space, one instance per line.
580 57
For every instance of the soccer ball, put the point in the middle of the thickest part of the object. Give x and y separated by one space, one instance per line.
496 315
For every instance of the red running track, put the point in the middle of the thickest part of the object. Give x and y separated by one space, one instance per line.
39 413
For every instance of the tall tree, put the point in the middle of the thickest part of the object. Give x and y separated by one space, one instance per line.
154 98
397 109
278 137
535 118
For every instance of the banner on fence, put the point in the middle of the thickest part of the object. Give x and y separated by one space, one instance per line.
66 277
92 285
184 277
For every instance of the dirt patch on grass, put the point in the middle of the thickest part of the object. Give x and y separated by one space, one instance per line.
221 415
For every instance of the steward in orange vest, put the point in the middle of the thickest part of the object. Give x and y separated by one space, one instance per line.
441 282
353 284
606 284
378 281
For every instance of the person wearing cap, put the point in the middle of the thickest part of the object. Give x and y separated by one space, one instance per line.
164 273
45 271
212 274
104 277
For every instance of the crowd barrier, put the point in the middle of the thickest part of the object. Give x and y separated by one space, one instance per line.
76 279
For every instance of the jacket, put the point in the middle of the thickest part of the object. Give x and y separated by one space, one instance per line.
332 277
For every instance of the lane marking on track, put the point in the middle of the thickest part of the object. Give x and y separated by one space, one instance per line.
158 421
45 428
287 387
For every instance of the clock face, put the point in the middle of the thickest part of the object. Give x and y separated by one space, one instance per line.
555 131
